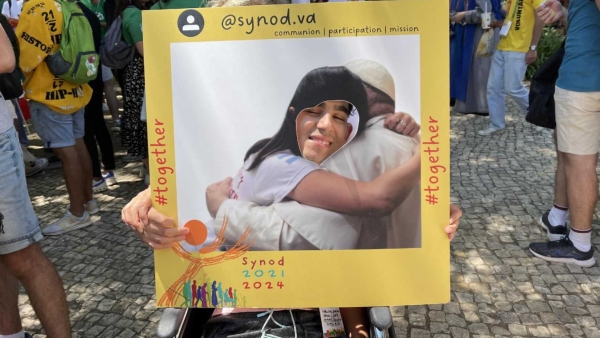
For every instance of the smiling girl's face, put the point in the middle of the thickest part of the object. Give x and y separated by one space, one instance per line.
323 129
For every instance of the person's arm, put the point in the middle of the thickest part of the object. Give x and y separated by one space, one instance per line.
379 197
402 123
134 28
598 4
160 232
7 56
551 12
140 47
531 55
356 322
473 17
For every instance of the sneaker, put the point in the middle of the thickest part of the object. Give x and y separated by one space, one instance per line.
54 162
67 223
39 165
555 232
116 128
143 172
487 132
110 178
563 251
99 186
131 159
105 107
91 207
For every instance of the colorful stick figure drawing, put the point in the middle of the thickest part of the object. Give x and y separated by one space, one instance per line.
198 295
194 300
235 298
215 301
220 293
187 294
203 295
228 301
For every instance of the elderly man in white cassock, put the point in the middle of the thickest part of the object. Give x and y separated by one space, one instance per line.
293 226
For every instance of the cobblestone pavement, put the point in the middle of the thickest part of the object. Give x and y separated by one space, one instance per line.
503 183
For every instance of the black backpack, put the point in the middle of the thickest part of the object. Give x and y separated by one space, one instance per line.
10 83
541 92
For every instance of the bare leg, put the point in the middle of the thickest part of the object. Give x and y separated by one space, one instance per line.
86 166
560 179
111 99
44 287
10 321
582 188
74 173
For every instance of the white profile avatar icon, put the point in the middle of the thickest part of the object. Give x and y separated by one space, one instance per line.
191 26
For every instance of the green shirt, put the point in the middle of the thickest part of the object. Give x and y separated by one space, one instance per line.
99 10
179 4
132 25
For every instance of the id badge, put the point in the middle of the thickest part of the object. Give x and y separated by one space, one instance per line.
331 320
505 28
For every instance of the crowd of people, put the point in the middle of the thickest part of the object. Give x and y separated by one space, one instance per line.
69 118
479 85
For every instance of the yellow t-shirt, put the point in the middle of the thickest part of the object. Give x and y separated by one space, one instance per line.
522 16
39 33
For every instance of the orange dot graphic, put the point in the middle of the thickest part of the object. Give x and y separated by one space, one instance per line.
198 232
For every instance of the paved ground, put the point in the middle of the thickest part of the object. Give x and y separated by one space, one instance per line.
503 183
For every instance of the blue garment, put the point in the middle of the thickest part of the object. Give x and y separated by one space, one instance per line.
497 10
580 69
215 301
461 51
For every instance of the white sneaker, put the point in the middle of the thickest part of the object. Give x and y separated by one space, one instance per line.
99 186
91 207
67 223
487 132
110 178
39 165
116 126
131 159
105 107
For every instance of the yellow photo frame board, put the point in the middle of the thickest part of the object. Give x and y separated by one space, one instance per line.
304 278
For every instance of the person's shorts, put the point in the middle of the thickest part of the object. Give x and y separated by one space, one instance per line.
19 226
106 74
577 121
55 129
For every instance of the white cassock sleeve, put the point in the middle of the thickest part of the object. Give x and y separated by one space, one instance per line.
288 226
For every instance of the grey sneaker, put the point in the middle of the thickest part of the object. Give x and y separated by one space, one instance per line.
67 223
91 207
487 132
563 251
